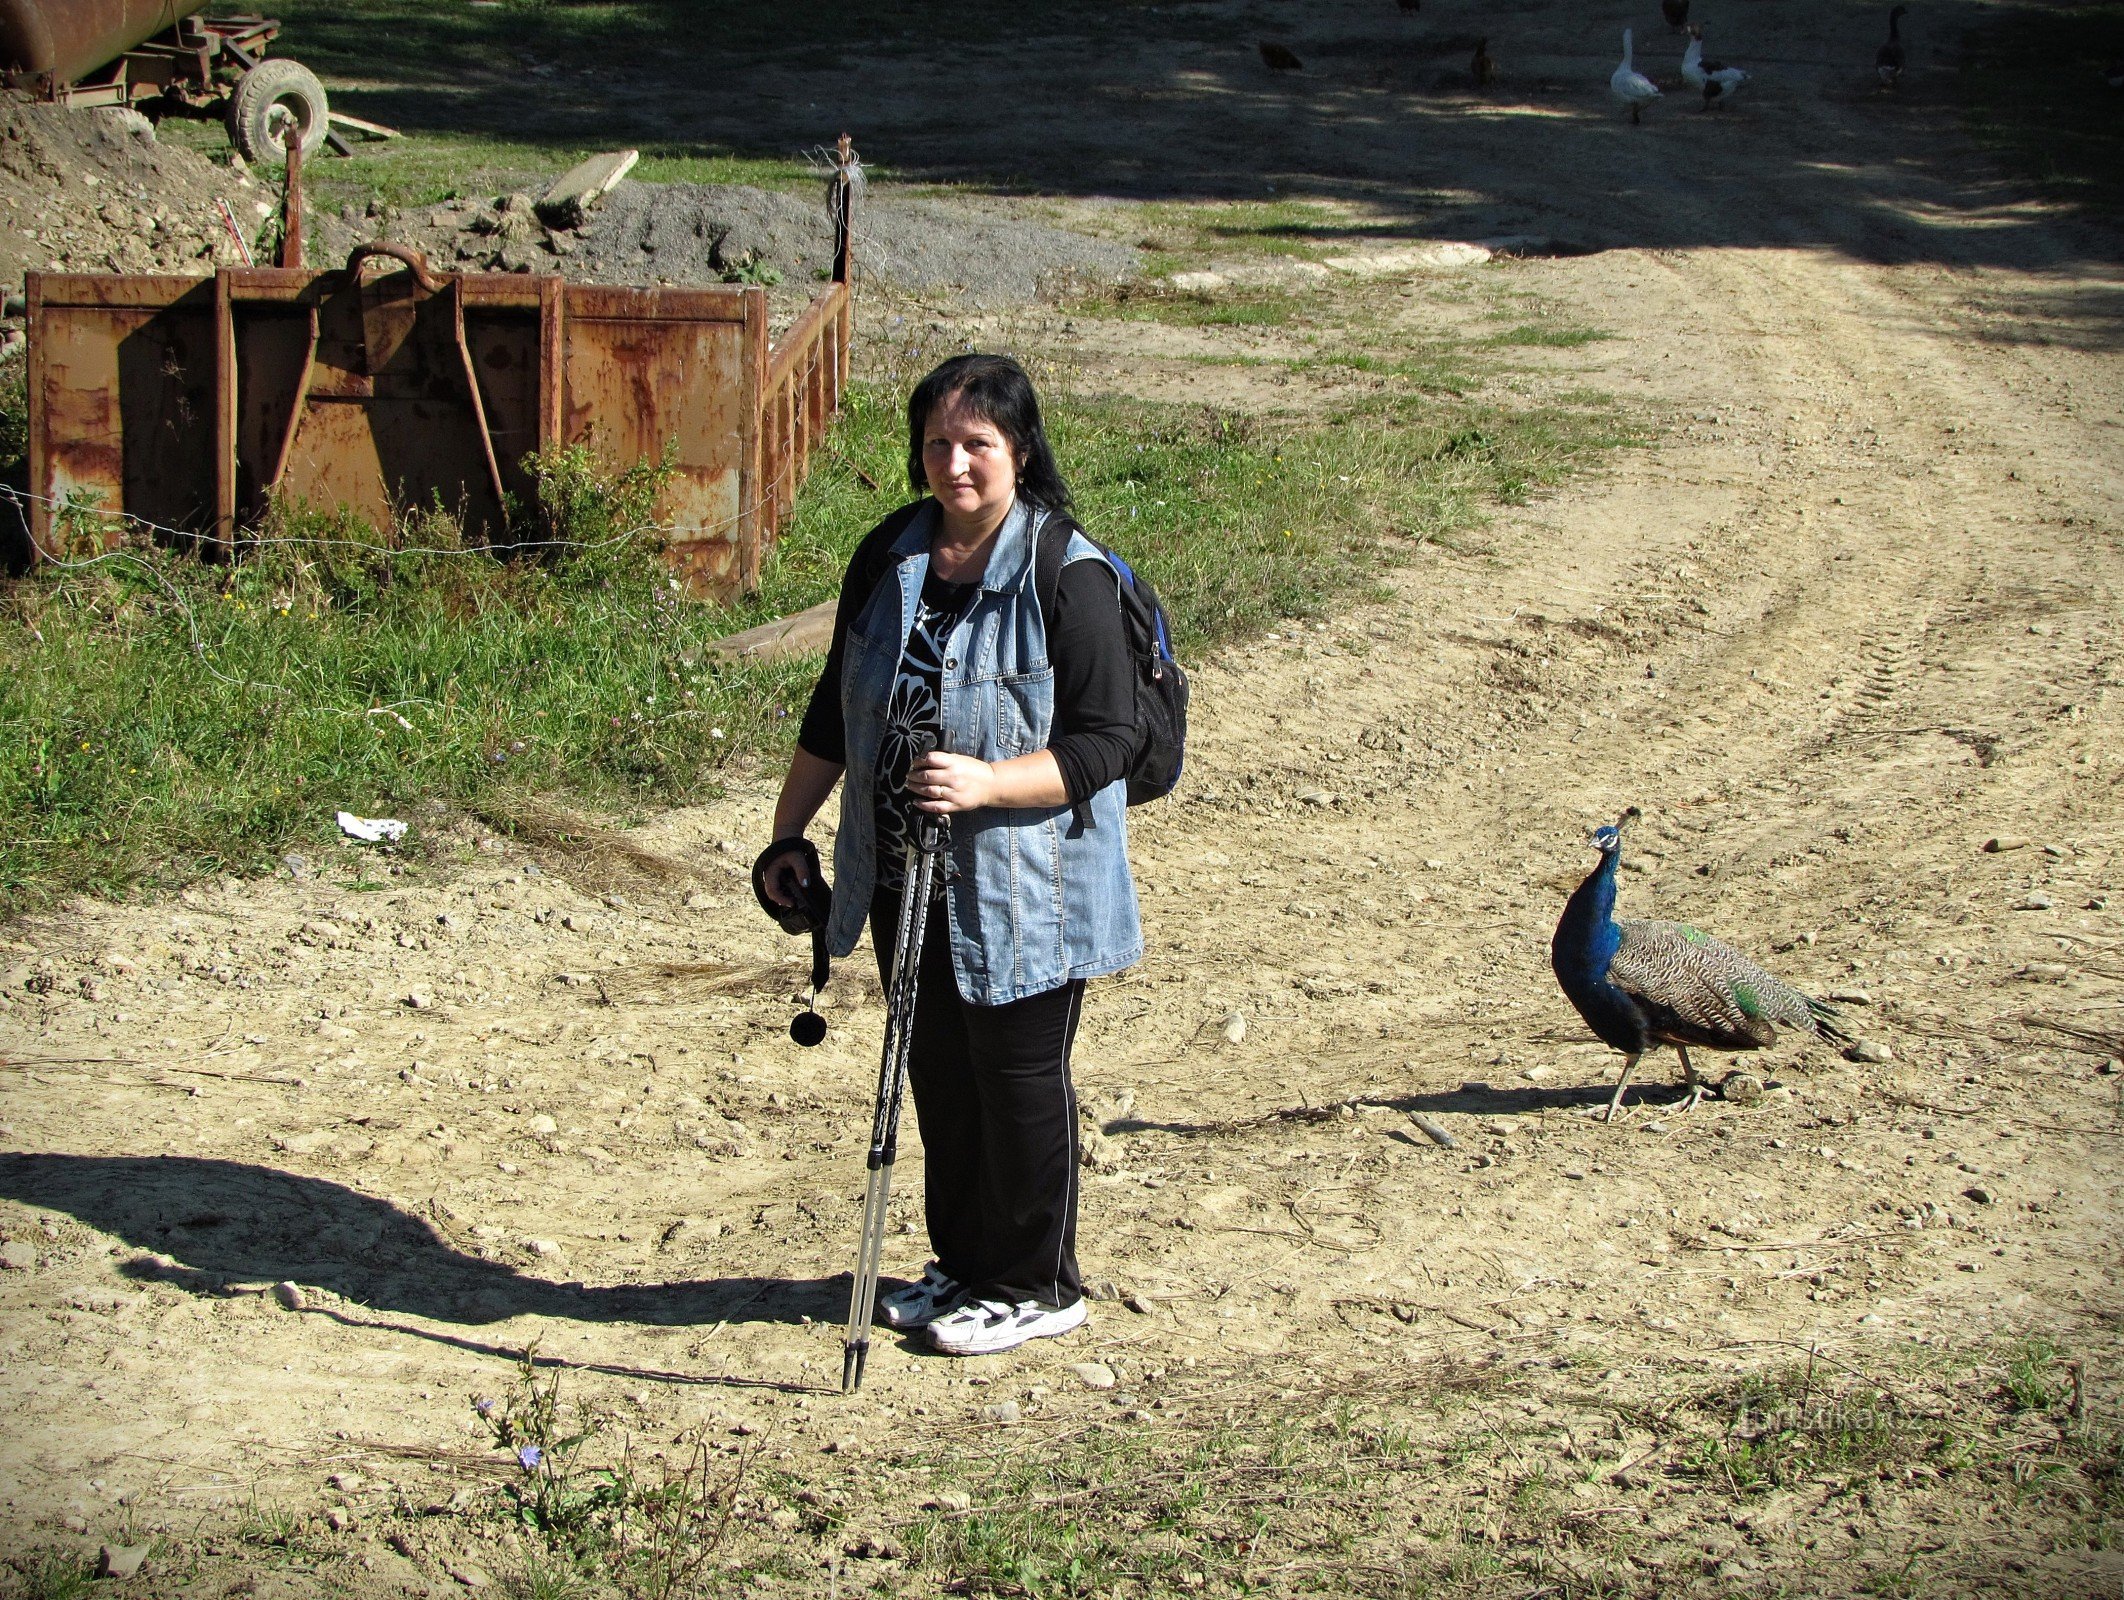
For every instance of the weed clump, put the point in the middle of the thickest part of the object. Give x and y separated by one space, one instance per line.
649 1528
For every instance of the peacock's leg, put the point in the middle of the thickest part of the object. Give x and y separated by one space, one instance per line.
1689 1077
1622 1083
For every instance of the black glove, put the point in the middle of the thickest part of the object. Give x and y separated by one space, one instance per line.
810 913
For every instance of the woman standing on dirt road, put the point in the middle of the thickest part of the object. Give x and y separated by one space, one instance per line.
940 645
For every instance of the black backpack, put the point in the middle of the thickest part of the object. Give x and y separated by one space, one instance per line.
1161 686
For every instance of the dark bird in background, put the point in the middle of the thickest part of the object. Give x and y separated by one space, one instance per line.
1410 7
1888 60
1278 59
1676 12
1482 66
1640 985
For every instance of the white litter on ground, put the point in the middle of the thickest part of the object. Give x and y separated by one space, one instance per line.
371 830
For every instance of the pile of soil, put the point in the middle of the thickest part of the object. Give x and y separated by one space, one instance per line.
683 234
92 191
651 233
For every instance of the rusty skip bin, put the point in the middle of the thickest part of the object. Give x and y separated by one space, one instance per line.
382 386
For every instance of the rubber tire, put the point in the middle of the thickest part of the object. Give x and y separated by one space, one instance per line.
276 82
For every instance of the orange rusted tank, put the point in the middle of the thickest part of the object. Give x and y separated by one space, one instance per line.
60 41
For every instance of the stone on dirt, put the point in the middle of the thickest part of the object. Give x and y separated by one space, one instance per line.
1094 1374
1433 1130
569 199
121 1560
1868 1052
288 1296
1742 1088
17 1255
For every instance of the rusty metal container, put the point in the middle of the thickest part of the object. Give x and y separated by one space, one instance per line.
69 39
191 404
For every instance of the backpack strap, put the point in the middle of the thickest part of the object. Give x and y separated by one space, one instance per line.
1053 545
1048 560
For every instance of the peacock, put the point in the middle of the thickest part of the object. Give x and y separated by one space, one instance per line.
1644 984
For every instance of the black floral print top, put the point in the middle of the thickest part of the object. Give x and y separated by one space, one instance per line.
913 722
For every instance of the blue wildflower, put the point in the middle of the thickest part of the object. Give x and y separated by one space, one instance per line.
529 1456
484 1407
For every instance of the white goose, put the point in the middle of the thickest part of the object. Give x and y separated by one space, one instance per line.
1630 86
1714 80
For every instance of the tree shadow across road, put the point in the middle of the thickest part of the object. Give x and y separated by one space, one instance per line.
1159 102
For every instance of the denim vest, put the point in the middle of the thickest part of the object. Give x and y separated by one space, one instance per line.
1035 897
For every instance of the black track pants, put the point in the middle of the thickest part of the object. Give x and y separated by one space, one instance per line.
999 1124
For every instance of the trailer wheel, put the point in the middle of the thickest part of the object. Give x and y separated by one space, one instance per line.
268 98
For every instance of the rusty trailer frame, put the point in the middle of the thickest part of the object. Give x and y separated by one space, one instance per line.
191 404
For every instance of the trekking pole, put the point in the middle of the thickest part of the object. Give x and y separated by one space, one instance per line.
924 854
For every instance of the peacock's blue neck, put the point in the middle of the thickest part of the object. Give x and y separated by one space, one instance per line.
1586 935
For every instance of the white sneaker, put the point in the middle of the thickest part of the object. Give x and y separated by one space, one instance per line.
923 1301
982 1327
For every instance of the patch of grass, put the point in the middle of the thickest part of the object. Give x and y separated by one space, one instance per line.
1441 372
2033 1381
1534 333
48 1575
1299 229
272 1526
1783 1427
1184 308
1290 1493
14 420
161 718
2033 85
650 1528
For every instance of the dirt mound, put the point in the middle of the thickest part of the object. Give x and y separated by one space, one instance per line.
92 191
688 234
692 233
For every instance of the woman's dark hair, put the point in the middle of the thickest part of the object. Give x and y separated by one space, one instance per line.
996 389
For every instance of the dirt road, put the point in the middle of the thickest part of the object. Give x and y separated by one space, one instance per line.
1854 615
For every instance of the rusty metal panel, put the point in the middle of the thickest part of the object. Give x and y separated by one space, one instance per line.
122 387
197 403
384 418
647 371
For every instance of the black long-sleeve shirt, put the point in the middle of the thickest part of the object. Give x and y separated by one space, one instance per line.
1094 723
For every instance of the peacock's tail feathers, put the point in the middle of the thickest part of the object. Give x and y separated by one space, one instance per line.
1709 993
1828 1021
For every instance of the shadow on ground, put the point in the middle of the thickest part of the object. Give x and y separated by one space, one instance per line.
1469 1099
206 1225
